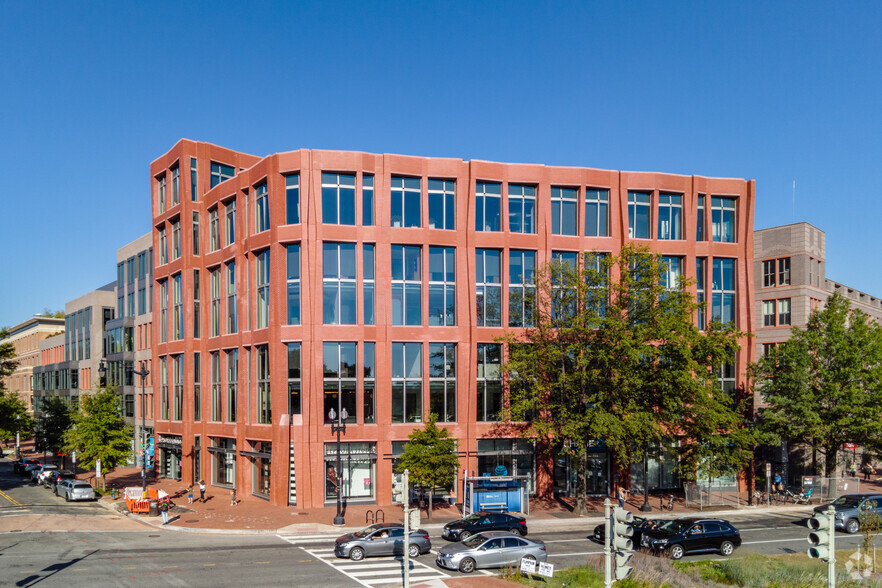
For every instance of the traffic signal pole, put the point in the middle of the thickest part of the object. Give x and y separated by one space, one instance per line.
823 541
618 549
607 552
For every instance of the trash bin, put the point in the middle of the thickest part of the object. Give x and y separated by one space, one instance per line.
154 508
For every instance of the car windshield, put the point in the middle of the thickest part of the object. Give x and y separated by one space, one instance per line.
81 486
675 526
472 518
474 541
846 501
366 531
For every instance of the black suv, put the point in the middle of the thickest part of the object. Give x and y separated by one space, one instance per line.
692 535
483 521
639 525
19 465
53 478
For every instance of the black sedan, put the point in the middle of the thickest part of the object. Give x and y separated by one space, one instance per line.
639 525
484 521
19 465
692 535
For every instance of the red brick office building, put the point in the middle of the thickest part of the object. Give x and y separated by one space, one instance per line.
305 281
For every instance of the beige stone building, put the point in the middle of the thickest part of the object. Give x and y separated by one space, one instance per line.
25 338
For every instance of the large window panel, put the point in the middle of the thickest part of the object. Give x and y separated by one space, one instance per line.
521 208
488 206
339 283
488 280
442 212
442 286
406 285
723 293
407 383
293 284
639 214
340 381
338 199
723 219
670 216
442 381
405 200
489 382
521 290
564 202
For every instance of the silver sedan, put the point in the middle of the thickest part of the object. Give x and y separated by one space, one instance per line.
492 549
381 539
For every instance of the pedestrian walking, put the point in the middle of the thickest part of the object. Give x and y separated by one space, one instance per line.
201 490
163 510
622 495
233 501
190 494
869 470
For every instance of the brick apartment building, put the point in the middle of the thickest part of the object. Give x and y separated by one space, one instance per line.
25 338
289 285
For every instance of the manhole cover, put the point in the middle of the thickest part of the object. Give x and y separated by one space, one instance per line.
192 521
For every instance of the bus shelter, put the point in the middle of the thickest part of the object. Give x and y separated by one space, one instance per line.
496 493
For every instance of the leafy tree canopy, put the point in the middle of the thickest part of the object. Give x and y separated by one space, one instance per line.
430 456
824 386
8 363
12 406
611 351
99 432
52 424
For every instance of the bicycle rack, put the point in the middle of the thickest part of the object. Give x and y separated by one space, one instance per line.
374 516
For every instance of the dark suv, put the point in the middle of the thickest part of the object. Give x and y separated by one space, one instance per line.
848 508
483 521
19 465
52 478
692 535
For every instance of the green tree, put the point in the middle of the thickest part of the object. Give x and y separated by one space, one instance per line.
824 387
8 363
430 455
99 432
614 353
52 424
12 406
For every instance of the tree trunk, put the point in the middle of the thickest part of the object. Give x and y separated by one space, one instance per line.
581 484
830 461
429 509
814 458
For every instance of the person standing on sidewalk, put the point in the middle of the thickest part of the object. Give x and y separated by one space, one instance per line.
201 490
233 501
163 510
622 495
190 494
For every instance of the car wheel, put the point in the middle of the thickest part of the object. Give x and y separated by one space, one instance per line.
356 554
467 566
852 526
727 548
529 558
67 497
414 550
677 551
464 536
514 531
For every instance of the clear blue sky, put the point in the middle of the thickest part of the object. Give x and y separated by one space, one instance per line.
93 91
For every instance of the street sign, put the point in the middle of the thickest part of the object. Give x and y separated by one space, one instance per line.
528 566
850 446
97 468
546 569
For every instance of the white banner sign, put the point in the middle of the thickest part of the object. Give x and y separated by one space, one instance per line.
546 569
528 566
97 468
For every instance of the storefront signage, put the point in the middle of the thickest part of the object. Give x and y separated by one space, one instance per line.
169 440
367 483
595 443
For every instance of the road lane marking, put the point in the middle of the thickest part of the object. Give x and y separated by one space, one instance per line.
574 554
209 565
383 570
13 501
261 562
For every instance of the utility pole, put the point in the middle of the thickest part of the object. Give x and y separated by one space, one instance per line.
607 551
142 437
407 509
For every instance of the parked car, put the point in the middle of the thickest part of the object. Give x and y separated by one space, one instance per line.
41 473
74 489
639 525
692 535
480 522
19 465
492 549
849 506
381 539
28 471
52 479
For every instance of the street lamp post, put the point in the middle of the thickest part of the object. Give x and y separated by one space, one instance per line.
17 437
143 372
645 507
338 428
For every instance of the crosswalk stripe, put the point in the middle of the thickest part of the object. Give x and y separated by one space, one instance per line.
378 570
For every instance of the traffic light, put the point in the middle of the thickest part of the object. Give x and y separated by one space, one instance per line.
622 546
822 536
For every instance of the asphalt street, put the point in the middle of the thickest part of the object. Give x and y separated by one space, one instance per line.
162 558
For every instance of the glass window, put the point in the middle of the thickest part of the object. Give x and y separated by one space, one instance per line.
142 301
672 270
338 199
163 247
701 291
367 200
176 185
197 392
369 384
442 195
564 202
163 394
442 286
670 216
197 314
292 199
784 311
769 273
221 173
338 283
488 280
521 208
293 282
700 219
563 298
727 374
264 398
263 277
176 239
596 212
195 232
261 209
213 230
639 215
214 278
489 382
488 204
163 311
194 183
723 219
784 271
340 381
405 195
768 313
232 314
230 233
178 310
294 380
407 383
160 193
442 381
178 399
232 383
406 285
723 295
368 283
521 290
